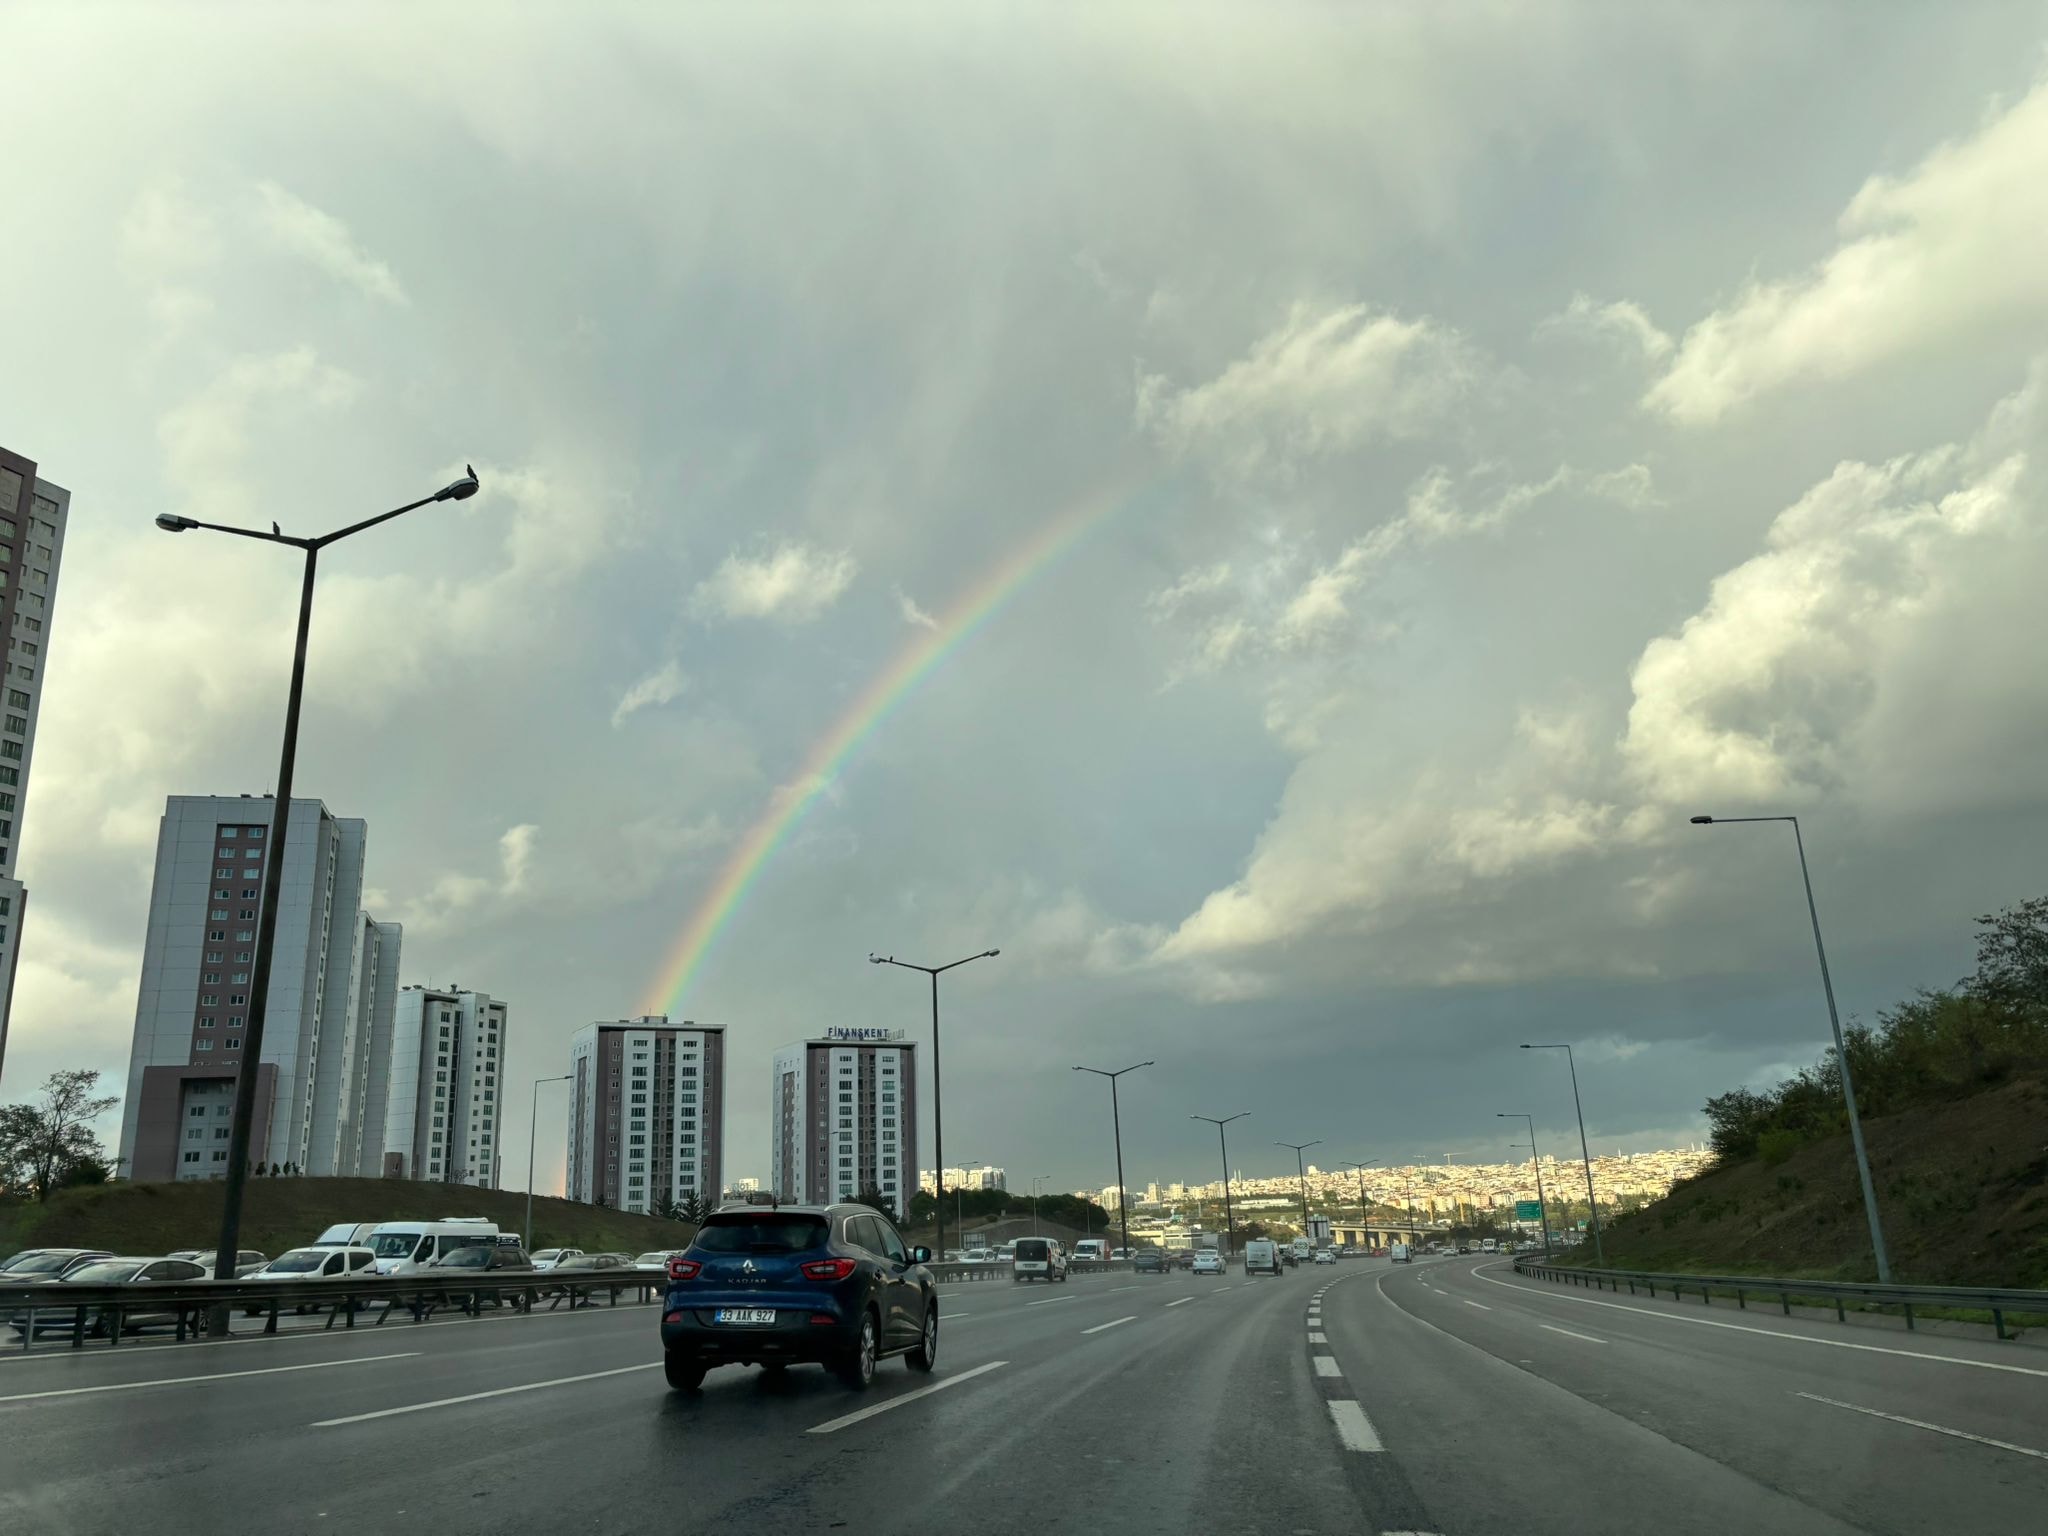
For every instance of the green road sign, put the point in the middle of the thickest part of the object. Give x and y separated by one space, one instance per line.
1528 1210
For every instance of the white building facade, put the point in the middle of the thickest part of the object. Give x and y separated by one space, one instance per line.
843 1118
646 1113
439 1117
212 872
33 517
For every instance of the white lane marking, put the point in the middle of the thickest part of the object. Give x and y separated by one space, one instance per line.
858 1414
1104 1327
1318 1338
1115 1288
477 1397
1326 1365
1182 1302
1769 1333
1353 1427
1050 1301
1939 1429
1222 1287
1570 1335
180 1381
1482 1306
947 1317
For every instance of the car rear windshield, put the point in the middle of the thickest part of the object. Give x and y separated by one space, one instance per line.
299 1261
41 1264
104 1273
1031 1250
769 1233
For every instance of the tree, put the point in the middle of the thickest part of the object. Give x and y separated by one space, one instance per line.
692 1208
42 1144
2012 953
873 1197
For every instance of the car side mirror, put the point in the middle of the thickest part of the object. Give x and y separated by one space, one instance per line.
920 1255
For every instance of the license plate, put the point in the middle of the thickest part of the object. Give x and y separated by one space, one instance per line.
746 1317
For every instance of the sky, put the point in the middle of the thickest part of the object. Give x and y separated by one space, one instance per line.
1273 517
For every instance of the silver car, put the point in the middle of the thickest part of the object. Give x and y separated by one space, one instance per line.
137 1272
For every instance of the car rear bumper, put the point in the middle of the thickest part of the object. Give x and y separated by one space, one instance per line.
812 1333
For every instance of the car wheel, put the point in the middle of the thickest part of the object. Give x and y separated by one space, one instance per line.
857 1367
926 1354
685 1373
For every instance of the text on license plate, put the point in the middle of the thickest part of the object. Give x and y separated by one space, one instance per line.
744 1316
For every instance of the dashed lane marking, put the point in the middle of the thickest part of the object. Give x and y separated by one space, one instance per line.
1051 1301
1354 1429
180 1381
1939 1429
1326 1365
1482 1306
475 1397
1570 1335
1104 1327
1182 1302
1318 1338
845 1420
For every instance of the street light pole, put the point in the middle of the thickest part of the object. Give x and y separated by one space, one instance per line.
1585 1156
959 1205
1542 1210
1301 1175
527 1236
1123 1204
1364 1205
938 1100
1229 1218
246 1069
1884 1263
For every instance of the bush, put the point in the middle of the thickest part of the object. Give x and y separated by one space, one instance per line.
1776 1146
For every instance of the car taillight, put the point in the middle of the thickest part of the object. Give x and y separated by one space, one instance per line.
683 1269
828 1269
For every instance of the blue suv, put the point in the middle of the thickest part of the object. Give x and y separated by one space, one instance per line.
772 1286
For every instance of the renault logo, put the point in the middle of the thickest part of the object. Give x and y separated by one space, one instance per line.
746 1266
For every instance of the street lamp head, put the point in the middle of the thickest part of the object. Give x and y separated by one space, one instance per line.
170 522
990 954
459 490
875 959
1703 821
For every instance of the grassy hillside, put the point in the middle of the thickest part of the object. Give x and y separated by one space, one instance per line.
1962 1190
283 1213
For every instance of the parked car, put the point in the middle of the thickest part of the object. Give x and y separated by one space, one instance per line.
587 1270
831 1285
313 1262
548 1258
653 1263
1039 1258
347 1234
1150 1261
485 1257
247 1260
137 1272
1326 1256
1208 1262
33 1266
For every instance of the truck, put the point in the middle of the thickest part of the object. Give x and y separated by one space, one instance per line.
1091 1250
1304 1250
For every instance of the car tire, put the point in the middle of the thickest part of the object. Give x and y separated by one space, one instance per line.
857 1366
926 1354
685 1373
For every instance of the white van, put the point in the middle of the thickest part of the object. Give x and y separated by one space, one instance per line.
1091 1250
348 1234
1398 1253
1261 1257
1040 1258
1488 1245
406 1247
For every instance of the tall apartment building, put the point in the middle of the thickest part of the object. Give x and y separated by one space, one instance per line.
646 1113
33 514
332 980
439 1115
843 1113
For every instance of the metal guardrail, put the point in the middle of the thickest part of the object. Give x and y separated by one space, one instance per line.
97 1308
1841 1292
1001 1269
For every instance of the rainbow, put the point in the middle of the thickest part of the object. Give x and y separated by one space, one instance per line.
829 755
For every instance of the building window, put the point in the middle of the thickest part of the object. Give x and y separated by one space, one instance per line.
212 978
236 999
17 698
247 915
227 834
254 833
206 1022
191 1157
18 724
242 954
215 956
223 874
202 1045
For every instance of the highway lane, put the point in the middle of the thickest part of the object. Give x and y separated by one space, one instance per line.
1165 1399
1494 1388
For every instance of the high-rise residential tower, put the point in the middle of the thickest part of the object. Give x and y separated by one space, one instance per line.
333 976
646 1113
33 513
439 1115
843 1117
